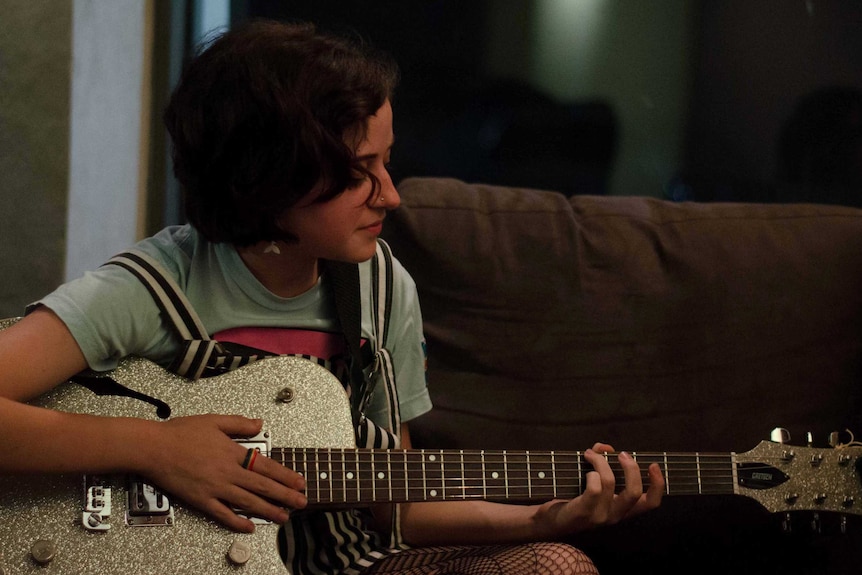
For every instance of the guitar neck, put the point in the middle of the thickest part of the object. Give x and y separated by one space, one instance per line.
364 476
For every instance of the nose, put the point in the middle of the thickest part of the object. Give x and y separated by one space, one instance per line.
388 197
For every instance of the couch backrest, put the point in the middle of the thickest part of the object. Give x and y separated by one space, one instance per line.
555 322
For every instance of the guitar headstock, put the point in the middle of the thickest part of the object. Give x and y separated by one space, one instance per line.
785 478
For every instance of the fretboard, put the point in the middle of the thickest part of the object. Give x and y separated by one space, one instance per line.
364 476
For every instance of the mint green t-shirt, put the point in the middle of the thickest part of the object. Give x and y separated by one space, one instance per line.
111 314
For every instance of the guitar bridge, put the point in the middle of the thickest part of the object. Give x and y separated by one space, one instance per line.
96 515
147 506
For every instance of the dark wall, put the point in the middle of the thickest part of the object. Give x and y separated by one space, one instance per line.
753 63
453 118
757 61
35 57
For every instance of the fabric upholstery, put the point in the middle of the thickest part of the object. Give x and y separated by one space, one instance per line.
553 323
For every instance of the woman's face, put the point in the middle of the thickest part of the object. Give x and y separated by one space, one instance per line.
346 227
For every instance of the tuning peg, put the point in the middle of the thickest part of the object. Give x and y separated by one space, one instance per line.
816 525
780 435
787 524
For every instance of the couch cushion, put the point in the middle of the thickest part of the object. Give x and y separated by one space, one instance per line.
554 323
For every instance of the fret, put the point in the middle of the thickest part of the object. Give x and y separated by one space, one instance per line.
406 455
688 473
301 464
517 474
554 468
366 488
506 472
302 469
474 486
343 475
312 471
380 477
484 475
451 466
417 485
494 475
398 476
644 460
734 475
343 486
424 477
567 475
352 484
463 477
329 467
389 471
543 475
717 474
666 471
435 488
330 475
699 484
683 469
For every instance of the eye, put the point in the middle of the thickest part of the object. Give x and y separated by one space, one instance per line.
358 176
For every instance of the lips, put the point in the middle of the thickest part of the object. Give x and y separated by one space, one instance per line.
375 228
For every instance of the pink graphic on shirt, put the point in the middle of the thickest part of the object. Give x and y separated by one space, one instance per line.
286 341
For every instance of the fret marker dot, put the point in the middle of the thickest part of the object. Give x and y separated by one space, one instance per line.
349 475
495 475
381 475
432 458
433 493
541 475
323 475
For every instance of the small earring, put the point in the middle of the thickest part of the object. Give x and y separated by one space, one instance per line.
272 248
381 199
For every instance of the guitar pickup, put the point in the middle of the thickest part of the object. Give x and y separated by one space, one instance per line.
147 506
263 443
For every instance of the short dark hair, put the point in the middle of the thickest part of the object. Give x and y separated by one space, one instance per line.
258 121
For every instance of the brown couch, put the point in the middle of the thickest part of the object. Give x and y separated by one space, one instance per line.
553 323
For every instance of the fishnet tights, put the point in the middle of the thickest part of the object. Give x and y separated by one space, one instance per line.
529 559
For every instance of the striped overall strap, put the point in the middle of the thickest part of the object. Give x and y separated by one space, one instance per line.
382 373
381 369
199 355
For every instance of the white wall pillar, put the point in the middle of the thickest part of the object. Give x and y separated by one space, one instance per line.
109 120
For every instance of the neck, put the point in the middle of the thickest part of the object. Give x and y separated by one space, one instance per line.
285 274
338 476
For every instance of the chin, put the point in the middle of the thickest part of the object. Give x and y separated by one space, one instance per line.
359 255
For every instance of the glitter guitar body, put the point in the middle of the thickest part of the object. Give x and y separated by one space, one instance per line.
74 524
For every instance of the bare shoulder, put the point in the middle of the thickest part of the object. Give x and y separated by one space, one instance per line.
37 353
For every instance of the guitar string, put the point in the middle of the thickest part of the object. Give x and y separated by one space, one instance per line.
703 482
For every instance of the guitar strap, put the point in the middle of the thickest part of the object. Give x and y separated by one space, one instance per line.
371 370
200 355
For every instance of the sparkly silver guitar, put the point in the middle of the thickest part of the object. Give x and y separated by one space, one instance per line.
73 524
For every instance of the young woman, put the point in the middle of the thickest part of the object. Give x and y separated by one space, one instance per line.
281 141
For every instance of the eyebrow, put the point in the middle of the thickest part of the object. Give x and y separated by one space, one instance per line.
365 157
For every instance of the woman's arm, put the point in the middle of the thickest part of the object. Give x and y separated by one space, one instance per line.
193 458
482 522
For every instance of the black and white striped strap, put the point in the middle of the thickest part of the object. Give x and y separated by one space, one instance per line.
381 270
198 352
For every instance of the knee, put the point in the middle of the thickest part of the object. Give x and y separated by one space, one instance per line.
563 559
